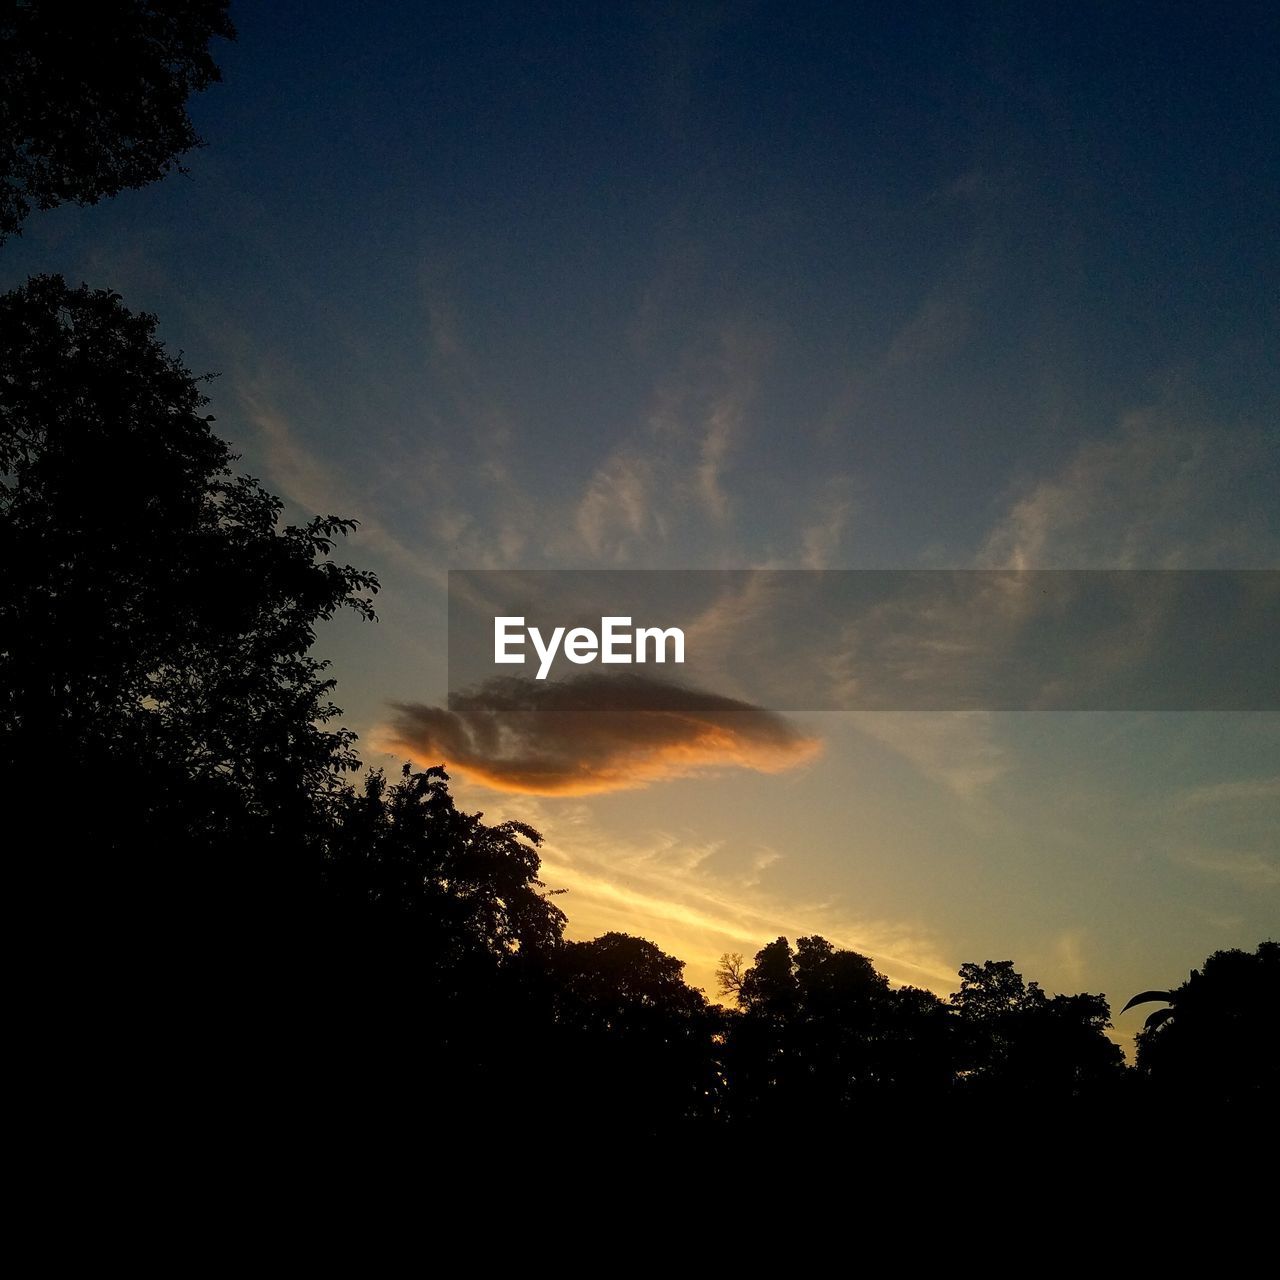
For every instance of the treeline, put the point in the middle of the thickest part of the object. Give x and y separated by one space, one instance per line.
453 969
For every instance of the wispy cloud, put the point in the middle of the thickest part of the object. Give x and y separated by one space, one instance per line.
958 750
722 422
1250 869
1242 791
1158 494
1068 950
310 484
938 328
665 485
1227 830
699 899
661 486
820 540
617 511
466 465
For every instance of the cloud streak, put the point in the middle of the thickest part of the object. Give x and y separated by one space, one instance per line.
698 898
299 474
594 734
1158 494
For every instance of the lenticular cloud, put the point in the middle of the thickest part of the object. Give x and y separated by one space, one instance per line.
594 733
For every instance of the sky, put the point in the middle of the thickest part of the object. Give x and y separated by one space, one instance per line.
787 286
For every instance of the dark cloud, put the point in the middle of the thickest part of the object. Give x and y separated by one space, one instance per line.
593 733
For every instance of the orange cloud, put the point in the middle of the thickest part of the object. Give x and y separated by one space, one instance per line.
594 733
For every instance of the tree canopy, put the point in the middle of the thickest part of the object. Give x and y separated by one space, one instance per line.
95 96
1015 1038
1219 1034
155 618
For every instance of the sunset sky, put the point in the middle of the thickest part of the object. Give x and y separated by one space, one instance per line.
764 285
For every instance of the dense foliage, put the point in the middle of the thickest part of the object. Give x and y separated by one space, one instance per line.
95 96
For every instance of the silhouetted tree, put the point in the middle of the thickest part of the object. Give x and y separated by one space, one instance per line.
427 973
729 974
635 1040
155 619
994 990
1017 1039
618 982
769 988
917 1051
95 96
821 1034
405 857
160 712
1218 1042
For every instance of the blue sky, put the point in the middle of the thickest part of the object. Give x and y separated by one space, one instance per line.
741 285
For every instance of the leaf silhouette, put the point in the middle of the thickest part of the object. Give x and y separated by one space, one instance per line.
1146 997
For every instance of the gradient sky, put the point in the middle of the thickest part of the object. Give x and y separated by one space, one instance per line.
741 285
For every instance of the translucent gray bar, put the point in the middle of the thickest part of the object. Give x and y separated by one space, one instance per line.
902 640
